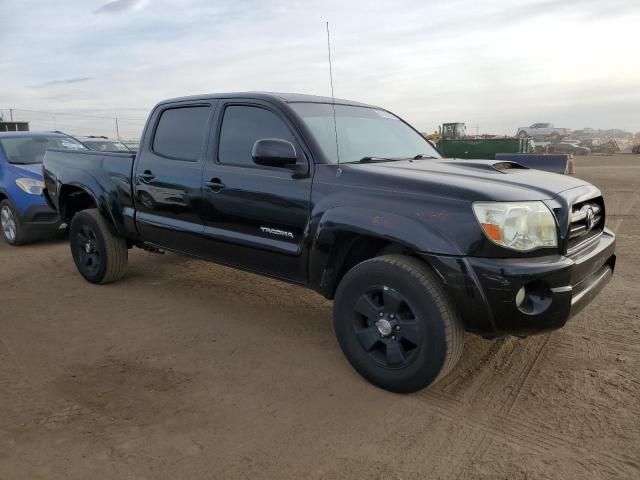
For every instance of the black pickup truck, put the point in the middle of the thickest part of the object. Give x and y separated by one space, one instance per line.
349 200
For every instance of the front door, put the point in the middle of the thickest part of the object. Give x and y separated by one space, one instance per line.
255 217
168 177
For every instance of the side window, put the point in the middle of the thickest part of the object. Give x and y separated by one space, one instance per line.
242 126
180 133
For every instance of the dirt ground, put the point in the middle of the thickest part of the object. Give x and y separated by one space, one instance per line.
189 370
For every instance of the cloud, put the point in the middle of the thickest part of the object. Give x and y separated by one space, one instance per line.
62 82
495 63
587 8
118 6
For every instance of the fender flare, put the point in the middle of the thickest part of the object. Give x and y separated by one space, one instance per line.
411 233
101 202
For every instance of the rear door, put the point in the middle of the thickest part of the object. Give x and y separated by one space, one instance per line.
168 176
255 217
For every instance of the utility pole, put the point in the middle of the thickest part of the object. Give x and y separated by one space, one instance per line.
477 127
117 130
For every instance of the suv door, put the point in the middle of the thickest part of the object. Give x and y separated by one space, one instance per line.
168 176
255 216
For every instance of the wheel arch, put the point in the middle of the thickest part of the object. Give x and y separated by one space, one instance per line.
343 239
74 198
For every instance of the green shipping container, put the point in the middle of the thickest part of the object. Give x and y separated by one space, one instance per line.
483 148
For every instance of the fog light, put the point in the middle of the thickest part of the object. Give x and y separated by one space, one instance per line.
520 296
534 297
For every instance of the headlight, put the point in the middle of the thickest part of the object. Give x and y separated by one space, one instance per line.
522 226
30 185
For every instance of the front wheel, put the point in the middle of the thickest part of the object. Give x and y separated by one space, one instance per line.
396 325
10 225
99 255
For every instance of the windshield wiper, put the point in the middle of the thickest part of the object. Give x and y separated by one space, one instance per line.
375 159
371 159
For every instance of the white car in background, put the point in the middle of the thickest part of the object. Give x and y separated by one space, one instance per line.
543 130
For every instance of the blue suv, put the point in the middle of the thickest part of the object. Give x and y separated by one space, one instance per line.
24 213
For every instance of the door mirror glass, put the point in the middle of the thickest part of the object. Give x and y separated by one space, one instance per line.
273 152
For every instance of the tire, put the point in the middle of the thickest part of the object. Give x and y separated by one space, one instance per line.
10 226
523 134
372 312
99 255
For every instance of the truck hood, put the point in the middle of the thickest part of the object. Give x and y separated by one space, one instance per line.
30 170
471 180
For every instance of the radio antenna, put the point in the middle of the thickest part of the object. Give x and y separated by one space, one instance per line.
333 98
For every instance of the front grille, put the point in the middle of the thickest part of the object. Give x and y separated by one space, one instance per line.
586 221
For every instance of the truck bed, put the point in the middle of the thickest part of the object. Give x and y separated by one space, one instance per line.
107 173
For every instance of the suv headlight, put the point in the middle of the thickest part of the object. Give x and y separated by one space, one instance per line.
30 185
522 226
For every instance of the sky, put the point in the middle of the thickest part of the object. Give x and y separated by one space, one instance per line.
494 64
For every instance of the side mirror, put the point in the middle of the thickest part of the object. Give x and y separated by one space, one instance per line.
273 152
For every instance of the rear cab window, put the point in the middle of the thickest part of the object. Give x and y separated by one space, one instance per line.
180 132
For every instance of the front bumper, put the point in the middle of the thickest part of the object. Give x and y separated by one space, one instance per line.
558 287
39 220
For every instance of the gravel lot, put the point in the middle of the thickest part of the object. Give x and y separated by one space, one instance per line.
190 370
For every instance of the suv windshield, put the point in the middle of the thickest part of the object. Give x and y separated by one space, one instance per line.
30 149
363 132
106 146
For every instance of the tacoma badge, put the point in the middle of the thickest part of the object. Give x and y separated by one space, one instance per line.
275 231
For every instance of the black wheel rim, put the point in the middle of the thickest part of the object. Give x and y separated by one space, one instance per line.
87 250
386 327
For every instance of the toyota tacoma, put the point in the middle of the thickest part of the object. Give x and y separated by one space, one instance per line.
351 201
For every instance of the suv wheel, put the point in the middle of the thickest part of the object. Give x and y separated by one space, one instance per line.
99 255
10 225
396 325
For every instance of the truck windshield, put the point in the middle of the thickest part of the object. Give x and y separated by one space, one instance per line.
363 133
30 149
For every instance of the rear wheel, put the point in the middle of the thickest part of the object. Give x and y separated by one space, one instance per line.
10 225
396 325
99 255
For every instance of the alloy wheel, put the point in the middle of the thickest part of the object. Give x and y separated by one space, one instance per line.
386 327
8 222
87 249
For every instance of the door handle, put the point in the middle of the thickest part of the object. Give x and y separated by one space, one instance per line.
215 184
146 176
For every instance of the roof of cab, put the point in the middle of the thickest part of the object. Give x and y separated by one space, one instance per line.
268 96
